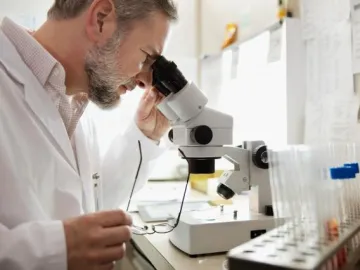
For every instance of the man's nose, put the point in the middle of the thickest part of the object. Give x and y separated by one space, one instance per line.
144 79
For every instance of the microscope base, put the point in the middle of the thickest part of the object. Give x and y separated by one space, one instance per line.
208 231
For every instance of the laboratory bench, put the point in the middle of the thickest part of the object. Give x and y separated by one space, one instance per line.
163 255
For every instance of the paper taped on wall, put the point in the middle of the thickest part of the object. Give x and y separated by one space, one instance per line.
275 44
355 21
331 106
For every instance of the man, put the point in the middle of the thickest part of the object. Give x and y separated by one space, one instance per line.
50 172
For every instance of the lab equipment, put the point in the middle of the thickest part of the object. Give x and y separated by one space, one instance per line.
202 133
316 190
229 225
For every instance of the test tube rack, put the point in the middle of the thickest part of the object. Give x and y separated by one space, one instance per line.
287 248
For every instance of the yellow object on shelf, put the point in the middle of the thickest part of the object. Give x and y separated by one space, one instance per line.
200 183
282 13
231 35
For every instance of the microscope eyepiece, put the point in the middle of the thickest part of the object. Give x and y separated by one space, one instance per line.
167 78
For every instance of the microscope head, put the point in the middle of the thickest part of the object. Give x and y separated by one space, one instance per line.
196 129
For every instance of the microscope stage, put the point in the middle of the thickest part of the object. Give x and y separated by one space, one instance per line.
218 231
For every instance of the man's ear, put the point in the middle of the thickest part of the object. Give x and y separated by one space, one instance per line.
100 22
101 16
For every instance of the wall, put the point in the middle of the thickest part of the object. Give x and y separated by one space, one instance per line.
183 38
296 82
28 13
182 45
25 7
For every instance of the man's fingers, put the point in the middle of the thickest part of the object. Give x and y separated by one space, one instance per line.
148 102
160 99
113 254
113 218
116 235
108 266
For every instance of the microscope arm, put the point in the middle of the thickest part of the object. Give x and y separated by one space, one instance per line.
250 171
237 180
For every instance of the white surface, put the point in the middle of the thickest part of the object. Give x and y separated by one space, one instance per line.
212 231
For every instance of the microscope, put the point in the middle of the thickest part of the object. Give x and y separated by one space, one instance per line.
205 135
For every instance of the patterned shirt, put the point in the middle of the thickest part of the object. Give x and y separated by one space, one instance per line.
49 72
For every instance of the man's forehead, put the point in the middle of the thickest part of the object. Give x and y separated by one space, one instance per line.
157 29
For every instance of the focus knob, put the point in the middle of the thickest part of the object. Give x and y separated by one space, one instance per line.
202 135
260 157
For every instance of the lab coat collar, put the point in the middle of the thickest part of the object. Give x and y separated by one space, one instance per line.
37 98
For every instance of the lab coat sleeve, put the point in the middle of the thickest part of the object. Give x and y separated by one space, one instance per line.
120 165
33 246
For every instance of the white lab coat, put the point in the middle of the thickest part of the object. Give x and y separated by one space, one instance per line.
40 182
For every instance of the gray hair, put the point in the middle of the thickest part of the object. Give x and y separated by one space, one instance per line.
126 10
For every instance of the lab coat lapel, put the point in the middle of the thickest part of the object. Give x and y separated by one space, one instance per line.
88 157
38 100
84 159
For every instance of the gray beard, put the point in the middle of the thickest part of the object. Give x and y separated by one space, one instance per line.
102 68
101 92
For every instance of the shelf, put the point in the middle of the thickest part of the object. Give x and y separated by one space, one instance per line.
235 46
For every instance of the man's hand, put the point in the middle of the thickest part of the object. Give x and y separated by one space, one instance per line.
149 119
95 241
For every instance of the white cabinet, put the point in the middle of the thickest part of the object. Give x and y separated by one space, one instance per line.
251 15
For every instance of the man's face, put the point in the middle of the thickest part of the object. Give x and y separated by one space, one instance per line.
123 62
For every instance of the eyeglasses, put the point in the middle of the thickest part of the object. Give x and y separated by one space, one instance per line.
162 228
